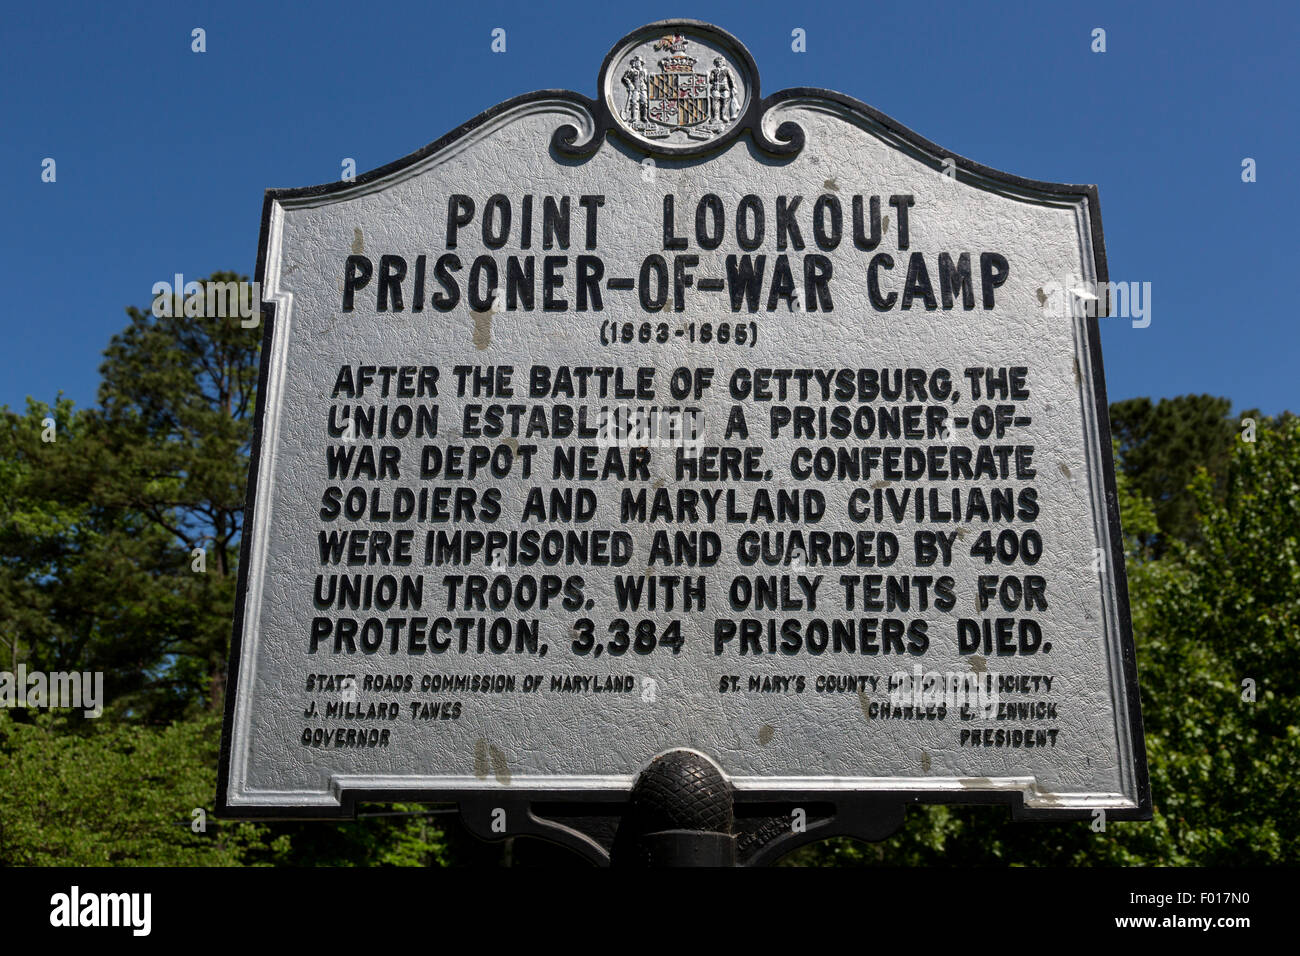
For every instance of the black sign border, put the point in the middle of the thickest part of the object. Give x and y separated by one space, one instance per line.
854 810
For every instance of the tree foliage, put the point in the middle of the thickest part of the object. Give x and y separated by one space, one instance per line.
85 584
1162 445
116 794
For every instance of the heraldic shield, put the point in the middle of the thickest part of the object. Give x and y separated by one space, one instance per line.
679 99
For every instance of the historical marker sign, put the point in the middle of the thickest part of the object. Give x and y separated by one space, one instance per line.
682 418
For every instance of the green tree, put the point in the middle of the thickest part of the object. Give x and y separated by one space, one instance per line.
402 834
115 794
175 413
84 584
1221 689
1162 445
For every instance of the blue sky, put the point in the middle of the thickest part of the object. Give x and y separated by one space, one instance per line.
163 154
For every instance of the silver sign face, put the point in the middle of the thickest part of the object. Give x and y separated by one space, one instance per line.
681 418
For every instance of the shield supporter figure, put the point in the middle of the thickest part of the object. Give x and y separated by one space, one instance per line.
634 81
722 92
457 586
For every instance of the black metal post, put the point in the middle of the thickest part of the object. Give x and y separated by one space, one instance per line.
680 814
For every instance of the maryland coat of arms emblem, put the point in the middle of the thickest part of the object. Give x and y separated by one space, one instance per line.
679 98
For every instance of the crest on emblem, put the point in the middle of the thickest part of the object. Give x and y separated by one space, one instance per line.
702 103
